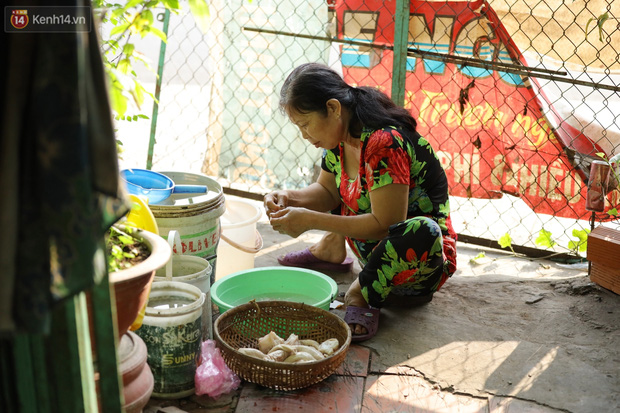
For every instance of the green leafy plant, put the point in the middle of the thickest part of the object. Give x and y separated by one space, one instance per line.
544 239
581 243
129 22
123 249
476 260
600 21
505 241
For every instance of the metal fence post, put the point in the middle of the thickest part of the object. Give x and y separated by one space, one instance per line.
401 36
160 74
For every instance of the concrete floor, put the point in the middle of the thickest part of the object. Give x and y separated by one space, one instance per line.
505 334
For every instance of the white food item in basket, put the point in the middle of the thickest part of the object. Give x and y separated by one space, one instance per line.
310 343
292 340
286 348
316 354
252 352
292 350
301 357
266 343
277 355
329 346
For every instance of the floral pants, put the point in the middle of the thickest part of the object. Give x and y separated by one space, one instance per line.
415 259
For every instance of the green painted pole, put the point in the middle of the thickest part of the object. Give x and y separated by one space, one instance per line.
160 73
41 383
89 389
401 37
104 315
25 372
64 359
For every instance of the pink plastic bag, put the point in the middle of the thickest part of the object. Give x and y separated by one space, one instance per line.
213 377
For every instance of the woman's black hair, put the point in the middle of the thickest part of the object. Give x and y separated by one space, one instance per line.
309 86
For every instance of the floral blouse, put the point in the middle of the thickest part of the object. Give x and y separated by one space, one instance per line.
386 158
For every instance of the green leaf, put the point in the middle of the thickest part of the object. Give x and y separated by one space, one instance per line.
613 212
171 4
505 241
119 29
544 239
601 155
600 22
113 44
118 100
116 13
139 92
132 3
582 240
200 11
124 66
128 49
475 259
159 34
148 16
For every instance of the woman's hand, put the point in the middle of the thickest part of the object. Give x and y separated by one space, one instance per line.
291 221
275 201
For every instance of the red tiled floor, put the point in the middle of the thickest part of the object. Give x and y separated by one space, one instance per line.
401 393
356 362
335 394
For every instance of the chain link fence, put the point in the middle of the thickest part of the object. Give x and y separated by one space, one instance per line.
516 96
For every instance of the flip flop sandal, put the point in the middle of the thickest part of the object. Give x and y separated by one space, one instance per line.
305 259
366 317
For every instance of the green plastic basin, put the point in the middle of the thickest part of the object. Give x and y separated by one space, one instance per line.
274 283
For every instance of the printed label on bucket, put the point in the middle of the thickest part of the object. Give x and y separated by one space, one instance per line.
173 353
202 244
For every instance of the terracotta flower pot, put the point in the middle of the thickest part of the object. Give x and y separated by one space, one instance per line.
137 376
132 285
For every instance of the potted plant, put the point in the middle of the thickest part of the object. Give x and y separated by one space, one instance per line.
133 257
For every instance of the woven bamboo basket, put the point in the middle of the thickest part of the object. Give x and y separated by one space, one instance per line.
243 325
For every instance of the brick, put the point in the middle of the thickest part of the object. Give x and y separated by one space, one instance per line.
604 246
606 277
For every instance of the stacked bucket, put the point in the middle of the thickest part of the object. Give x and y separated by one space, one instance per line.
178 316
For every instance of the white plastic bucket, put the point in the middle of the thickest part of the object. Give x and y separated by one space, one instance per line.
196 217
171 330
240 240
191 270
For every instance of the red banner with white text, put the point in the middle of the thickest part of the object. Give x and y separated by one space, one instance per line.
494 131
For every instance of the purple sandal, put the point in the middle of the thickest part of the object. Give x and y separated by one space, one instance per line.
305 259
366 317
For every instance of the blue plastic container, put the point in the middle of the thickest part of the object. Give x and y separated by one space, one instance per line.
155 186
